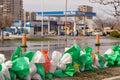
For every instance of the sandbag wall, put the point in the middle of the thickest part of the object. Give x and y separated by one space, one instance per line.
37 65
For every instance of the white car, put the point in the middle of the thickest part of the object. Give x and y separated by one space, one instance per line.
97 32
7 33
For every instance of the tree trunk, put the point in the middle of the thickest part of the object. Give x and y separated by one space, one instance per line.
2 38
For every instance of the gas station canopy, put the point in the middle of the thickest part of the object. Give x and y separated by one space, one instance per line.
68 13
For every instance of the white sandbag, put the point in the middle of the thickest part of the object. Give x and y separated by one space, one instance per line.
5 67
56 56
97 62
28 77
8 64
61 66
32 68
109 51
53 66
66 48
66 59
2 58
1 76
38 58
36 77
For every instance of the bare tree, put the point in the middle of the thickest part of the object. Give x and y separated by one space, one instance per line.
114 9
5 21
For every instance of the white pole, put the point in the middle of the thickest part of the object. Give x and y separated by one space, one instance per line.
66 22
48 24
42 18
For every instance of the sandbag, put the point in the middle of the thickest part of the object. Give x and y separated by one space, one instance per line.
16 54
74 51
66 58
40 70
28 54
2 58
1 76
53 66
56 56
20 67
5 67
54 61
46 64
38 58
36 77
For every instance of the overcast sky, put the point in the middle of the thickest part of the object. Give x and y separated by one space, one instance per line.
52 5
59 5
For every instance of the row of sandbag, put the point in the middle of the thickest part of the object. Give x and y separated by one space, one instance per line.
37 65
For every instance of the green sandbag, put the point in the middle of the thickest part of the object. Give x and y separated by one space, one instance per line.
40 70
70 70
74 51
101 61
116 47
59 73
20 67
0 67
6 78
16 54
28 54
111 57
85 60
49 75
12 75
87 50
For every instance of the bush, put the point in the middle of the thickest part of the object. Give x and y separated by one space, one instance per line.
115 34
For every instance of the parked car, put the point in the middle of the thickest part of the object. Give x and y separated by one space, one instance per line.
97 32
7 33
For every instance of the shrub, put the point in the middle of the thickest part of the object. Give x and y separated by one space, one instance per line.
115 34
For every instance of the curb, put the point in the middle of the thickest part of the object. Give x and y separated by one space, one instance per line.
113 78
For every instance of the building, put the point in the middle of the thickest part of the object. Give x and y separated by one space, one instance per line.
85 8
12 7
30 15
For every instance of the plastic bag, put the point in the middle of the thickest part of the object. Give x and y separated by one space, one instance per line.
28 54
66 58
56 56
70 70
53 66
20 67
5 67
40 70
1 76
59 73
46 64
32 69
86 60
12 75
28 77
16 54
74 51
36 77
2 58
38 58
55 59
